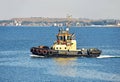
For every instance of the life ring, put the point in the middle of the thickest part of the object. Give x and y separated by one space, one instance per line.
50 53
44 52
39 52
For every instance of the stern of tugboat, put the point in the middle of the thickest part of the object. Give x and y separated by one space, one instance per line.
94 52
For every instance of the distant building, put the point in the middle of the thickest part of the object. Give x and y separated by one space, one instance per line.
118 24
17 23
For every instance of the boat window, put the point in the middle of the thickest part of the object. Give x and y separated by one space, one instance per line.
60 47
64 38
60 37
68 37
57 37
65 47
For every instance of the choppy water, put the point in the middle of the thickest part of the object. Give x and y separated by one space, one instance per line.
16 65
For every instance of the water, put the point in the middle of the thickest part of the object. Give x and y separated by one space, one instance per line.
16 65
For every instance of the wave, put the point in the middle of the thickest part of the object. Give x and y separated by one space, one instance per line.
108 56
36 56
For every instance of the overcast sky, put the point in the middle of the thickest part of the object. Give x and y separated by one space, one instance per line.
93 9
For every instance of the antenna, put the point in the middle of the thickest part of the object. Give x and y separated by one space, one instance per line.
69 17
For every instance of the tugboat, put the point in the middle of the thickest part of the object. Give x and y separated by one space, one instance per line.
64 46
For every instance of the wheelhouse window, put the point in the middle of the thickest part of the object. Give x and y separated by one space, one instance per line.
64 38
68 38
60 37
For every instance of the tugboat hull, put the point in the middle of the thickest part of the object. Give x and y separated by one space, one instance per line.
46 52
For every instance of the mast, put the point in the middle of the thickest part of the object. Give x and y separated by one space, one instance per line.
69 17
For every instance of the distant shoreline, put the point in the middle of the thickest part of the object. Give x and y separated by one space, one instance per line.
64 26
60 22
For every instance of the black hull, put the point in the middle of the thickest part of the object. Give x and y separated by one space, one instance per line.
61 56
38 52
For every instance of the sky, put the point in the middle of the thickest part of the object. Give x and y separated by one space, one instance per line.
92 9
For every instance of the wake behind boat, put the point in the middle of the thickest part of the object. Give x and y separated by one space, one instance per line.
108 56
